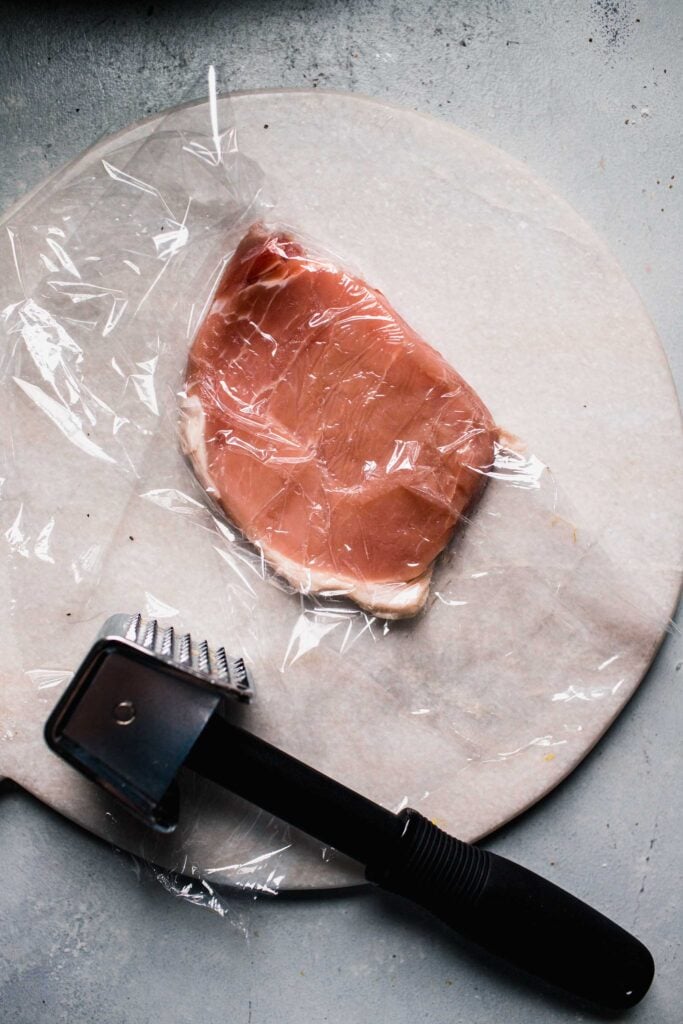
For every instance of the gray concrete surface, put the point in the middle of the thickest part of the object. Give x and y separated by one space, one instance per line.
589 93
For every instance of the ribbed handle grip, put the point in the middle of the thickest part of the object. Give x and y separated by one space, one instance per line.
515 914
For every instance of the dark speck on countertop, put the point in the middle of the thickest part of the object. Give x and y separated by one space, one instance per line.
612 21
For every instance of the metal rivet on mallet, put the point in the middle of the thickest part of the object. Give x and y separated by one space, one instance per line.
124 713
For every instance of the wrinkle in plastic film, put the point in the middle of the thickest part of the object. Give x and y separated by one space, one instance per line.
115 272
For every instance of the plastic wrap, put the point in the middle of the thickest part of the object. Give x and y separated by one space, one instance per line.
527 628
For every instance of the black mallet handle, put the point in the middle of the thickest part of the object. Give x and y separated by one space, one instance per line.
501 906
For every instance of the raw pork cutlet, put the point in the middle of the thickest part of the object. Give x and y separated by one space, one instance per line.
340 443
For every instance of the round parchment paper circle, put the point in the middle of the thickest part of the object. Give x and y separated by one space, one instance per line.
527 303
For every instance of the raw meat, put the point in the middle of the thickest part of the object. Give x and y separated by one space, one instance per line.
338 441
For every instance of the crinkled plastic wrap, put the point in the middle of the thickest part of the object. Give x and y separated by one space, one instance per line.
520 641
